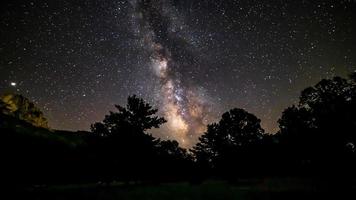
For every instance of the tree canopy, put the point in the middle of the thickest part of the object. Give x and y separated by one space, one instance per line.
236 131
137 117
122 139
322 127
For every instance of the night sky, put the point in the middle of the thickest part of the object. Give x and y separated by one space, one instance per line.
193 60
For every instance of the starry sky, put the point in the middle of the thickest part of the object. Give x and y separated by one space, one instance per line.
193 59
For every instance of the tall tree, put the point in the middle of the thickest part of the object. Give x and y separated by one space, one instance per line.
224 145
137 117
321 129
122 143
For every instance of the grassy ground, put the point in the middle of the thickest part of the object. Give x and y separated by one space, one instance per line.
247 189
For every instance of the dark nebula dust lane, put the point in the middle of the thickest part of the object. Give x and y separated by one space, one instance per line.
192 59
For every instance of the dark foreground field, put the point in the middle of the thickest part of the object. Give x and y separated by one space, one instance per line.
246 189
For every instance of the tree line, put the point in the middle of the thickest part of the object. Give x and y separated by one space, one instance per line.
316 138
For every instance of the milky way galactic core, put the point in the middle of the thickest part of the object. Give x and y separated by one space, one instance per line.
185 108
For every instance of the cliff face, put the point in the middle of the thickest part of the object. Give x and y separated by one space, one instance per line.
22 108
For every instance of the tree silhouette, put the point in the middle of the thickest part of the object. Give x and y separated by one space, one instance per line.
121 142
321 130
137 117
228 145
174 162
170 148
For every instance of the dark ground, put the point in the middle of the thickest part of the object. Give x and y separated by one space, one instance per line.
286 188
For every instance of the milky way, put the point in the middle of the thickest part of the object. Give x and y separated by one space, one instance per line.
186 110
192 59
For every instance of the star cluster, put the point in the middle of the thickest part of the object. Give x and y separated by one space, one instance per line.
192 59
